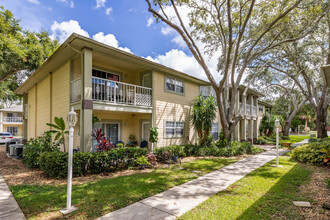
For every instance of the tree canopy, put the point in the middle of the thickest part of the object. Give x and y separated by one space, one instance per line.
239 33
21 52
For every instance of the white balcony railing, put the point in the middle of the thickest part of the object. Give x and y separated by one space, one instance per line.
13 119
254 111
120 93
248 109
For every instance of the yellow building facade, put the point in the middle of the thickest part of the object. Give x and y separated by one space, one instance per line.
126 94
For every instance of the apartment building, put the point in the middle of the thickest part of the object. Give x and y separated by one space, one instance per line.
129 94
11 120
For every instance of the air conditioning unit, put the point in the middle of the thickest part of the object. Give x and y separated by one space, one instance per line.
12 150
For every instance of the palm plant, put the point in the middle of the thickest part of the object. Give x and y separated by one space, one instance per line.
60 131
203 114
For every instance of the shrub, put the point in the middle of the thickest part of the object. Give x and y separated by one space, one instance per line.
35 147
222 141
152 159
164 153
312 153
55 164
142 160
312 140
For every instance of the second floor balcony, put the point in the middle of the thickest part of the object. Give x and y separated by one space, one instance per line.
250 110
12 119
114 92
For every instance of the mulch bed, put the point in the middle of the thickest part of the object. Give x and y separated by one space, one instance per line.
16 173
317 189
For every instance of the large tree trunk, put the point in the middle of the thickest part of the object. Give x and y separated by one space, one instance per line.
321 122
287 126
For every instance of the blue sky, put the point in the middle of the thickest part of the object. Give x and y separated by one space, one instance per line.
125 24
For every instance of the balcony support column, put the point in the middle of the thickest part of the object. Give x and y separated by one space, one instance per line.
86 108
243 121
256 124
1 121
237 111
250 123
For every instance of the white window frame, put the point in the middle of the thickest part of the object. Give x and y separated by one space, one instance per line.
175 80
175 135
12 128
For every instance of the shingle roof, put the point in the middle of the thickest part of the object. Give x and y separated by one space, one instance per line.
17 108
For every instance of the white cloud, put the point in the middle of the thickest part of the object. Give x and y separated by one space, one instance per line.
110 40
63 30
100 3
180 61
108 11
179 41
34 2
166 30
150 22
67 3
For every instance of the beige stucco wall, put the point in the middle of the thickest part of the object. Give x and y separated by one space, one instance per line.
173 107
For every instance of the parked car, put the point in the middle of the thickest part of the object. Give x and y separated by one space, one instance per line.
5 137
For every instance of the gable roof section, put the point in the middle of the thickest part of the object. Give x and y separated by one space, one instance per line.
75 43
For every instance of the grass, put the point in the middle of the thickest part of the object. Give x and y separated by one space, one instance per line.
103 196
266 193
295 138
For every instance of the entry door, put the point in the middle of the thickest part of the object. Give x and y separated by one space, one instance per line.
145 130
112 132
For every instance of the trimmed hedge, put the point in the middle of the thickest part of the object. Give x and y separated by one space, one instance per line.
313 153
235 149
54 164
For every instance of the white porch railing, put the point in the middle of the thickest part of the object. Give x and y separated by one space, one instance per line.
248 109
254 111
241 109
13 119
76 90
120 93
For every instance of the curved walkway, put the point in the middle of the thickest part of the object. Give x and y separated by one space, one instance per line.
180 199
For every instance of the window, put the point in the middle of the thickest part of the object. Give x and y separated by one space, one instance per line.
174 85
174 129
215 131
261 108
105 75
206 91
12 130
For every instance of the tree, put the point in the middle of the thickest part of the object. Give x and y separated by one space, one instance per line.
203 114
301 62
240 32
21 50
60 130
267 125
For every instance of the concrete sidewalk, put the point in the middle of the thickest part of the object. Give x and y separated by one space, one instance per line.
9 208
180 199
305 141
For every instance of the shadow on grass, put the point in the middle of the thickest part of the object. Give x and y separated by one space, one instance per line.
278 201
103 196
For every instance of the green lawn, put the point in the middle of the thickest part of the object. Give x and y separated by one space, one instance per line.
266 193
103 196
295 138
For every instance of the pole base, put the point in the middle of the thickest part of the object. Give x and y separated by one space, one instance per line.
274 165
67 211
